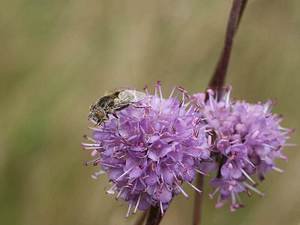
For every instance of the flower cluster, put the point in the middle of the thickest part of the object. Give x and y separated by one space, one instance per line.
247 138
149 149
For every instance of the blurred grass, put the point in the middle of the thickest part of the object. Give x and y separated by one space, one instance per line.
58 56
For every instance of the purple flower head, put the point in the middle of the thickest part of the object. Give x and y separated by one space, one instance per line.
247 139
149 149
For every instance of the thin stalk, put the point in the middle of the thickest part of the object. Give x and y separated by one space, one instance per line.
218 79
198 200
154 216
217 82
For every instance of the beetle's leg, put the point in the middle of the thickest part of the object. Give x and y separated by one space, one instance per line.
119 108
115 115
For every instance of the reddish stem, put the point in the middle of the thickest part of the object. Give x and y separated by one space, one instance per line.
218 79
217 82
198 200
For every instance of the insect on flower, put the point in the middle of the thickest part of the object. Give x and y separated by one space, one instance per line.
109 104
149 149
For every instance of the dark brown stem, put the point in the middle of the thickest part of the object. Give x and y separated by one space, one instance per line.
218 79
198 200
244 4
155 216
141 220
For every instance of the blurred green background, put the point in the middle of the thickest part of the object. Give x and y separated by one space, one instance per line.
57 57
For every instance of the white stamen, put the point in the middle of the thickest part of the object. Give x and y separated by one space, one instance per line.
94 122
283 157
277 169
234 141
129 208
247 176
96 129
146 90
267 106
161 208
97 174
189 109
214 193
253 189
120 192
90 145
112 190
211 104
126 172
248 161
160 93
94 153
108 165
211 195
209 140
227 97
283 128
172 92
201 172
182 191
175 176
92 148
254 134
183 98
269 146
194 187
233 198
137 204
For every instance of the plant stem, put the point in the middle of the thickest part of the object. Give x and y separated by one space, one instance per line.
154 216
198 200
217 82
218 79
